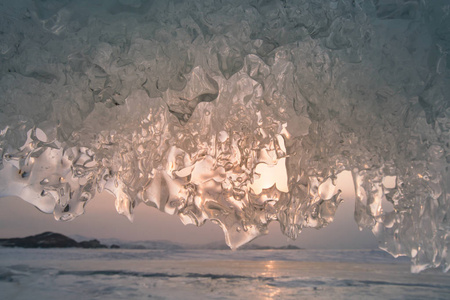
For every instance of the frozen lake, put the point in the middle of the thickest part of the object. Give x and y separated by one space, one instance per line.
213 274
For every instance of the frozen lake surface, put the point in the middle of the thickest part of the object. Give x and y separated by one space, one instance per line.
213 274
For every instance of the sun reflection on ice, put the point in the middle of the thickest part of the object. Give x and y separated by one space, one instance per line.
269 268
270 271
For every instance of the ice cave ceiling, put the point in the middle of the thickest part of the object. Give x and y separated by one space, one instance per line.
238 112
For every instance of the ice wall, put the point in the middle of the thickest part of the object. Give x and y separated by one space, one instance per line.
238 112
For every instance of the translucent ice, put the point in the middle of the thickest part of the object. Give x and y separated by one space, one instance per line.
238 112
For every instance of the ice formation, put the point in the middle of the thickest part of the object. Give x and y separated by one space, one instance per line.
239 112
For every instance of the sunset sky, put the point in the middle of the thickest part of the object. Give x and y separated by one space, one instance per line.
18 218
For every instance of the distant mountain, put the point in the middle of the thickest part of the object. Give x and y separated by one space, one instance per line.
49 240
150 245
223 246
57 240
168 245
259 247
117 243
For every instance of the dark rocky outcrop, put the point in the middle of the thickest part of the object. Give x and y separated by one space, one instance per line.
49 240
92 244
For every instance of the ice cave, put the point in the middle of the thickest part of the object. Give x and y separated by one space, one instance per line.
240 112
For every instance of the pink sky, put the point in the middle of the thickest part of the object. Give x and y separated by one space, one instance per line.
18 218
